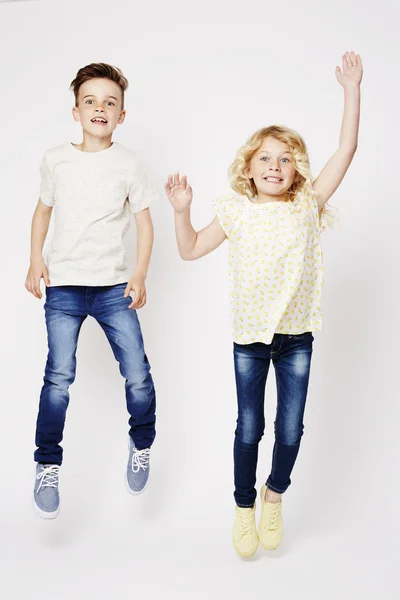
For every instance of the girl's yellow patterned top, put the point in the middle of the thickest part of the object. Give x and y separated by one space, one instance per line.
275 265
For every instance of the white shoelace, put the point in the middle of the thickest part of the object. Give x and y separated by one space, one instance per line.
140 459
48 477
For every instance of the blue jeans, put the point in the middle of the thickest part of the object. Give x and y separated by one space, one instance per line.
291 356
66 308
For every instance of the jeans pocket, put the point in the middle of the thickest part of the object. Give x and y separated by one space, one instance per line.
307 336
49 296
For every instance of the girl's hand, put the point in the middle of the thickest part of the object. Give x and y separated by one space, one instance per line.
37 271
179 192
137 286
352 70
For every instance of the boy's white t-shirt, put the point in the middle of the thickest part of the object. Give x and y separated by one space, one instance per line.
92 194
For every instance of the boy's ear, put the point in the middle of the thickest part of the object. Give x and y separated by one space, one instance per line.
75 114
122 117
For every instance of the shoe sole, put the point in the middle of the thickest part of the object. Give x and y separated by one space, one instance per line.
245 554
43 514
268 548
128 488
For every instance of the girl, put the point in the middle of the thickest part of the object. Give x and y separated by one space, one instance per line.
273 224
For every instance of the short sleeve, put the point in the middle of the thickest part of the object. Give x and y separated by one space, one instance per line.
142 192
46 184
326 218
323 220
225 209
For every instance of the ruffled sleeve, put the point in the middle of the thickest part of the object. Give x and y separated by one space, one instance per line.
227 208
306 202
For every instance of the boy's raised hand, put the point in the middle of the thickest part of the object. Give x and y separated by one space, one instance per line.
37 271
352 70
179 192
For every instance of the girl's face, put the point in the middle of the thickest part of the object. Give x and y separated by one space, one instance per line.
272 169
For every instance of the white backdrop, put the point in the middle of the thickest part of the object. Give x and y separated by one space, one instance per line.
203 77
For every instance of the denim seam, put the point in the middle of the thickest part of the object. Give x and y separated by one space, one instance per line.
273 352
274 489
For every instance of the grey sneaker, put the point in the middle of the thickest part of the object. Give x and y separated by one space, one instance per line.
46 499
138 469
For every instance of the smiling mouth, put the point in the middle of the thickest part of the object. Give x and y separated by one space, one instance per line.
272 179
99 120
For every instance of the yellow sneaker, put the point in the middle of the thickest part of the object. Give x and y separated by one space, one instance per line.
245 540
270 529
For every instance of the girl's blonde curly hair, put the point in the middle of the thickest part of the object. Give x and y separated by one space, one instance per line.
237 171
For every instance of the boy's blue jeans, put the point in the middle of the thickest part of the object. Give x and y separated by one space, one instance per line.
66 308
291 356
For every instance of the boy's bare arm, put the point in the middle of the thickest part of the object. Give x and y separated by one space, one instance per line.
37 269
145 237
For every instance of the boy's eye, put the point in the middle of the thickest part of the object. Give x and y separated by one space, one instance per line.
111 103
89 101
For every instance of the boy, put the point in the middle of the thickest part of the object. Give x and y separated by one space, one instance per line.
92 186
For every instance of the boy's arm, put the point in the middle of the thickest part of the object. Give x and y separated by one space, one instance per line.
332 174
191 244
37 269
145 237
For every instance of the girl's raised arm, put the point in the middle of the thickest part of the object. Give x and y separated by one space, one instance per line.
335 169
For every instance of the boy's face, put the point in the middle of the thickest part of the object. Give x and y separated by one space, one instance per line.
272 168
99 107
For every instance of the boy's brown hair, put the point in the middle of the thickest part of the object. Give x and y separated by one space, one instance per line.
102 71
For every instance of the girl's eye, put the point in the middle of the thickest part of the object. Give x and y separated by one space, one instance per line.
89 101
285 159
265 158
